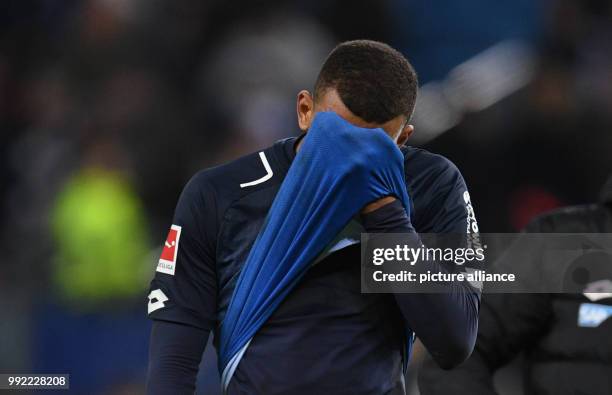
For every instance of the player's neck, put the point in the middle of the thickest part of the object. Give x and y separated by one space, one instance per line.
298 144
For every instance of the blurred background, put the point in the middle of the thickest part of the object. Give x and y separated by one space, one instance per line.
107 107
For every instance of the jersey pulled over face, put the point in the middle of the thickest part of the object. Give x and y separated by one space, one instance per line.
326 336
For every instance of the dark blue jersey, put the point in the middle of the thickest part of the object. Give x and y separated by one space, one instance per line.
326 336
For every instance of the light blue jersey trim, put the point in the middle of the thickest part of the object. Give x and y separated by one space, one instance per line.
229 370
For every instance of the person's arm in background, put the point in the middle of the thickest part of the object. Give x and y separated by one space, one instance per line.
182 302
509 324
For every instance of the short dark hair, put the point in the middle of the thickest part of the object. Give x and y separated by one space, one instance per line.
373 80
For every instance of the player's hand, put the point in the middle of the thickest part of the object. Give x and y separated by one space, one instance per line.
368 208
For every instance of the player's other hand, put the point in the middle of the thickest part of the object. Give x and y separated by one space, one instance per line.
368 208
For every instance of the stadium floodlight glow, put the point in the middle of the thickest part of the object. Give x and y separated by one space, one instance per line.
472 86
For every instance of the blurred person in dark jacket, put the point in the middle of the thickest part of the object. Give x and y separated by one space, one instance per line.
565 351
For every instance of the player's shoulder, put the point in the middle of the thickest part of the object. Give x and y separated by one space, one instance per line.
422 163
226 176
246 174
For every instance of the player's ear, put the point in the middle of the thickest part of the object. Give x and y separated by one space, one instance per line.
305 109
405 134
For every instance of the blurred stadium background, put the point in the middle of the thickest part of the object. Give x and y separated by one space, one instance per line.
107 107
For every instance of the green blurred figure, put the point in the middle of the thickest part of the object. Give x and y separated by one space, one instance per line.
102 245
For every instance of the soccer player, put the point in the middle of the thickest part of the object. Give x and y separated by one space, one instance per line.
326 337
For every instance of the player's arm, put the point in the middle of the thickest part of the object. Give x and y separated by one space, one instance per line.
446 322
175 351
182 302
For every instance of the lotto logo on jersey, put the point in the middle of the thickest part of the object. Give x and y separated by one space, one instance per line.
167 260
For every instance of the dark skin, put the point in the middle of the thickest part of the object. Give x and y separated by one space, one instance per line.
397 128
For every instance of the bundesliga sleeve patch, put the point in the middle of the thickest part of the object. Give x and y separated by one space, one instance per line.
167 260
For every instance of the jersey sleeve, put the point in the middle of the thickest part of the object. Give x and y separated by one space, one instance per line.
184 289
449 207
445 322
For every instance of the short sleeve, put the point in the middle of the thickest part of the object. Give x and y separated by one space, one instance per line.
184 289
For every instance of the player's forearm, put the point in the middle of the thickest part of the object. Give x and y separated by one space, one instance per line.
388 218
174 356
446 322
